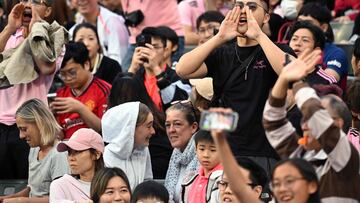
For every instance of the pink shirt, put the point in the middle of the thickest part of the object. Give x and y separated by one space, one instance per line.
156 12
197 192
354 140
11 98
190 10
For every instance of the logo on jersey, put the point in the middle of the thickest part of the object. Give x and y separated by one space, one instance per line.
259 64
334 63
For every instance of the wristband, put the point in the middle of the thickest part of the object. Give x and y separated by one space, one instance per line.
161 75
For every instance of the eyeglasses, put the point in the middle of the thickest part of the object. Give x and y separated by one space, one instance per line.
210 29
69 74
35 2
288 182
252 5
222 185
158 47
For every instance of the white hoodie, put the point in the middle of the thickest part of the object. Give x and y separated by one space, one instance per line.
118 129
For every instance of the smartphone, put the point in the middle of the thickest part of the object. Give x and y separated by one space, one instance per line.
287 60
219 121
51 96
141 40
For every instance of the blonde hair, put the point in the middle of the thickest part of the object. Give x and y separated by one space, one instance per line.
35 111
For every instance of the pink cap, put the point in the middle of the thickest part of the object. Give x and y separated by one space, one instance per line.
82 139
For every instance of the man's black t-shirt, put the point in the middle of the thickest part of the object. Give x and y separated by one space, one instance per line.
246 95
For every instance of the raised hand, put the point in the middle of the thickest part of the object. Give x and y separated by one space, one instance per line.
229 27
253 28
136 61
301 67
15 17
154 59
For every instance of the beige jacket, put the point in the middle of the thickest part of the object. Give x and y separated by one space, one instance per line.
45 43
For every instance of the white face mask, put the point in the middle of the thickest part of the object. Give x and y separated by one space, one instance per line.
289 9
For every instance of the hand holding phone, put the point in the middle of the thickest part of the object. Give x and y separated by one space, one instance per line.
51 96
218 121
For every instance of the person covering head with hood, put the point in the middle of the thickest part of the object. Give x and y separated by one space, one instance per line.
128 128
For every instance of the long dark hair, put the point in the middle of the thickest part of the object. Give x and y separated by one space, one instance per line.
127 89
88 26
308 173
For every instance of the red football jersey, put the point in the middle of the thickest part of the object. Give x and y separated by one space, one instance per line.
94 98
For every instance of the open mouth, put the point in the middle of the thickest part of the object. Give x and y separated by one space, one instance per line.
297 51
27 14
226 199
286 198
242 20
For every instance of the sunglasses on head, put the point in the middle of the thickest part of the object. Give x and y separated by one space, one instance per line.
186 104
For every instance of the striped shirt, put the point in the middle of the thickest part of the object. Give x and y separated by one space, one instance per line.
337 164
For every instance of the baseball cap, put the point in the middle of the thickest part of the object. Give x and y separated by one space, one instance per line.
204 87
82 139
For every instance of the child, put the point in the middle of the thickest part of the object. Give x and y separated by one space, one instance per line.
202 187
150 192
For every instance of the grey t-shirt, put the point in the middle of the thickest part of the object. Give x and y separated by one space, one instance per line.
43 172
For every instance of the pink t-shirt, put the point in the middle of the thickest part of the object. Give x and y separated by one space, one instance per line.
354 139
197 192
190 10
156 12
11 98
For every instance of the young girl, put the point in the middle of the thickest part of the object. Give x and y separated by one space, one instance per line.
110 185
128 128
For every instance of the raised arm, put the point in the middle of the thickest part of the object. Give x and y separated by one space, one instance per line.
231 168
270 49
191 64
14 23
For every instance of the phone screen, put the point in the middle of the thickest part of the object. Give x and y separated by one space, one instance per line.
218 121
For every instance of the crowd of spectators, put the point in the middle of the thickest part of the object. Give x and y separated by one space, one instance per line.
103 100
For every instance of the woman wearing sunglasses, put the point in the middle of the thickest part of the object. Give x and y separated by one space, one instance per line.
181 124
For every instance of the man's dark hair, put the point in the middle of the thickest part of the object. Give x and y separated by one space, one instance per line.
154 32
203 136
321 13
357 50
76 51
317 33
149 190
169 34
209 16
257 173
